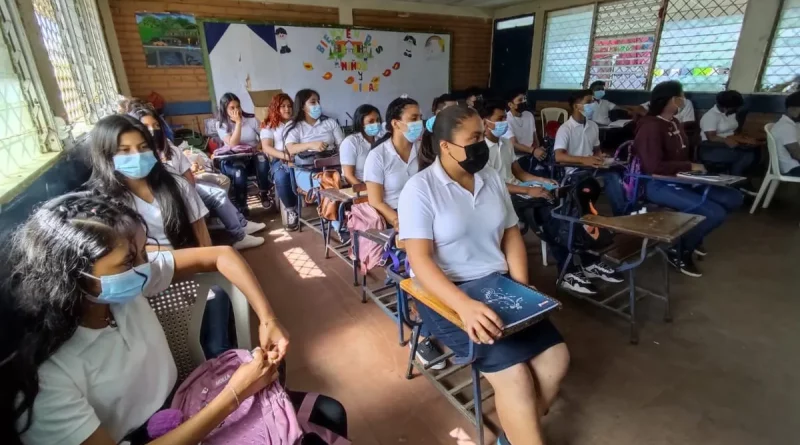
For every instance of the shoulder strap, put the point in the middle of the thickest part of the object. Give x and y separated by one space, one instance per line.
304 418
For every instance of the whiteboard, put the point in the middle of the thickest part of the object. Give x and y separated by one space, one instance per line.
348 67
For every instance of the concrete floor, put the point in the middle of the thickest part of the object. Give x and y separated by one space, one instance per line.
724 372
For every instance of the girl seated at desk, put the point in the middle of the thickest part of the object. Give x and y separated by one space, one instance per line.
367 126
662 146
459 225
238 128
273 133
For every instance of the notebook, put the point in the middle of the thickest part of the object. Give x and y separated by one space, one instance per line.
702 175
546 185
519 306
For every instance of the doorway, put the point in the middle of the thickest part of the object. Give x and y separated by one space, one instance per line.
512 44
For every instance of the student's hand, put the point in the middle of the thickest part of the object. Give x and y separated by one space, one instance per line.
252 377
539 153
196 168
732 142
593 161
539 192
395 224
319 146
236 116
273 337
698 167
482 324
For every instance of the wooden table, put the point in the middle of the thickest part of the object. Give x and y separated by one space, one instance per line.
665 227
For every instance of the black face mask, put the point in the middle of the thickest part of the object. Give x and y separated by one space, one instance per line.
477 157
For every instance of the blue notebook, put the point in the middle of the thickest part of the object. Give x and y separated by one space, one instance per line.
546 185
517 305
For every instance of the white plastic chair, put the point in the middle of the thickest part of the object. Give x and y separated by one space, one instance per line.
553 114
180 311
774 176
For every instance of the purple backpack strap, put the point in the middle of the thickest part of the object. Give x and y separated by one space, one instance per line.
304 418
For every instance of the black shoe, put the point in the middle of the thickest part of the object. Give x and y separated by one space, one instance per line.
685 265
604 272
267 201
428 352
292 220
700 251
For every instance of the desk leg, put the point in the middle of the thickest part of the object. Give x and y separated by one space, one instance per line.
667 309
401 313
356 263
477 396
412 350
632 294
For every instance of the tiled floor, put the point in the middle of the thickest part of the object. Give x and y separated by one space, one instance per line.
724 372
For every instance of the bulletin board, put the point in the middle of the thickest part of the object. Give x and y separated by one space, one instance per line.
347 66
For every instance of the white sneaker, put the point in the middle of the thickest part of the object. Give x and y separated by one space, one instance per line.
247 242
214 223
577 282
253 227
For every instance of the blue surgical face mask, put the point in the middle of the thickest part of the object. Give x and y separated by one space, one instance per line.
315 111
499 129
413 131
588 110
429 124
122 287
135 165
372 129
599 94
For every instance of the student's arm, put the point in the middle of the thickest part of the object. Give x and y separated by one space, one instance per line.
200 230
348 157
268 147
709 124
189 176
375 197
236 135
350 174
648 145
520 147
294 146
338 134
590 161
712 136
512 244
794 150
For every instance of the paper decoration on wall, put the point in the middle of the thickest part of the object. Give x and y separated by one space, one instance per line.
308 66
169 39
411 42
328 76
280 36
434 48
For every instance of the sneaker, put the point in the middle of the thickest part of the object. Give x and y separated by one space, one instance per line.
214 223
685 265
267 201
291 220
253 227
604 272
700 251
577 282
247 242
428 352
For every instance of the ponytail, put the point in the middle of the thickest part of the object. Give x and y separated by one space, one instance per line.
394 112
447 122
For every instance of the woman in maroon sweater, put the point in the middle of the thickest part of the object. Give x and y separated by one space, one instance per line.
662 146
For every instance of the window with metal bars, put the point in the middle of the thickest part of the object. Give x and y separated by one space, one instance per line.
782 69
568 34
698 41
72 34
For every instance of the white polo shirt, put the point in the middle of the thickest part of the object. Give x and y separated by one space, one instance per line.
523 128
383 166
178 163
249 135
578 139
115 377
354 151
785 132
601 111
501 158
154 221
466 228
685 115
276 134
715 120
327 131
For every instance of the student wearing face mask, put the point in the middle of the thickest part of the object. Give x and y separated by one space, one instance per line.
522 132
662 146
459 225
578 142
439 104
721 145
785 132
602 106
367 126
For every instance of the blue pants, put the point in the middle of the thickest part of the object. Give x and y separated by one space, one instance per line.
719 202
238 170
612 182
793 172
218 202
281 175
214 336
716 155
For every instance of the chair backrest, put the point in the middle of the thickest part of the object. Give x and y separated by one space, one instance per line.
180 311
553 114
772 148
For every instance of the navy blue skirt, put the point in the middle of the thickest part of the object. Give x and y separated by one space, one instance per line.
519 347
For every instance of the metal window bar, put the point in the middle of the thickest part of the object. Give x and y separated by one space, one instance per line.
568 35
782 67
105 84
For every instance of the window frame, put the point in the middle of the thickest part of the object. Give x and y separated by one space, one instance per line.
763 69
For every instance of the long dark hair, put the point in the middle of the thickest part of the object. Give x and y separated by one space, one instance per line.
447 122
222 112
299 110
361 113
394 112
662 94
161 148
49 254
163 184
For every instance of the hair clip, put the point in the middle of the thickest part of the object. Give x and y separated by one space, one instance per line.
404 96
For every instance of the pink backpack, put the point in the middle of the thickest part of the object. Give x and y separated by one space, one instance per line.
266 418
363 217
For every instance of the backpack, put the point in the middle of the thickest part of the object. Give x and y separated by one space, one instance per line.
306 158
267 418
328 179
633 168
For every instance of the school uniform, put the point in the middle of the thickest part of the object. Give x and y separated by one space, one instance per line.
154 219
237 170
354 151
583 139
327 131
523 128
281 173
466 230
385 167
115 377
786 132
601 110
718 155
501 158
686 114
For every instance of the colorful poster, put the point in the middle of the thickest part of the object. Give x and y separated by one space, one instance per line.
169 40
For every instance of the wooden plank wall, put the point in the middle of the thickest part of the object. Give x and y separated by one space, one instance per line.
472 40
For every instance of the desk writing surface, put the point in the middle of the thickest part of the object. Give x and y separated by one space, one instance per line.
335 195
412 288
726 180
664 227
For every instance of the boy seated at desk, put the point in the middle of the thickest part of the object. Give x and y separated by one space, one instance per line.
785 132
522 132
578 142
662 146
622 131
722 144
530 199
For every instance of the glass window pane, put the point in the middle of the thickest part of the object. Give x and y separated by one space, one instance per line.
515 23
783 64
566 48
